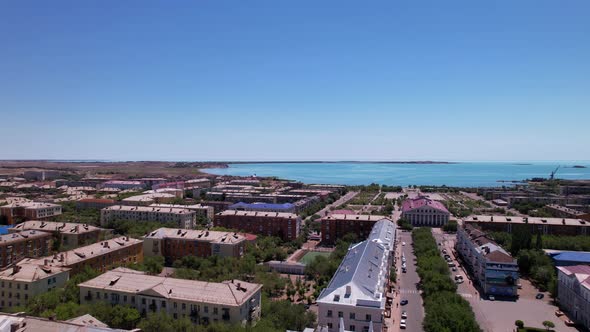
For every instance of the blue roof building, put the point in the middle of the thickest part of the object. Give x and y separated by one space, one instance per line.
569 258
264 207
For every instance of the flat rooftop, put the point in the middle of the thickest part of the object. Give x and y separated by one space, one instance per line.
74 256
7 239
31 205
29 270
353 217
198 235
230 293
263 214
178 206
147 209
531 220
52 226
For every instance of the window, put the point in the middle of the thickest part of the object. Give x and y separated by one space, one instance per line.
329 325
183 306
26 286
133 299
351 315
352 328
206 310
340 314
175 305
142 301
175 316
215 310
329 314
163 304
124 298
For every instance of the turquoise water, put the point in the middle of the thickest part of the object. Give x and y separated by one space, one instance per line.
466 174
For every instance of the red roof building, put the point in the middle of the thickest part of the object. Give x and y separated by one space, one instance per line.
422 211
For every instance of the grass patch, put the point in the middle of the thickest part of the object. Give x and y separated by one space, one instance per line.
310 256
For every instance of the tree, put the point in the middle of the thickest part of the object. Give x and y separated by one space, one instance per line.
539 242
548 325
519 324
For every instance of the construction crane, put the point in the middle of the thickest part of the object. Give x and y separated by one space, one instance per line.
553 173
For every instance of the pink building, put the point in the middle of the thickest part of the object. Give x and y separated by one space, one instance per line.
422 211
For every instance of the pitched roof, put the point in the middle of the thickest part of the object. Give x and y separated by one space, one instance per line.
580 272
411 204
232 293
360 278
573 256
499 256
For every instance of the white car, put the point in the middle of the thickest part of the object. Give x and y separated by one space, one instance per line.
402 326
403 321
403 243
404 315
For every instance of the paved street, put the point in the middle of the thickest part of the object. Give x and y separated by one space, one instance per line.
408 289
499 316
347 197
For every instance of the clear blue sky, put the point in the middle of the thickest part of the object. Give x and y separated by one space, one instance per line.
295 80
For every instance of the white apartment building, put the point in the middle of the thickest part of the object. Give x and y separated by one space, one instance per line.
202 211
573 292
27 279
233 302
356 295
182 218
494 269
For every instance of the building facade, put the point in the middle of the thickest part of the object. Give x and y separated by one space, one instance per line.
263 207
27 279
94 203
561 211
356 295
101 256
28 211
72 234
201 211
490 266
425 212
232 302
175 243
554 226
16 246
335 226
182 218
284 225
573 292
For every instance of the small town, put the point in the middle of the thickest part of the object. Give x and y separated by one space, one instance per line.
294 166
225 253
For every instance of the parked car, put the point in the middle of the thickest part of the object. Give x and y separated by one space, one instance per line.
404 315
491 298
454 269
403 302
402 326
540 296
445 251
404 270
519 286
403 243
